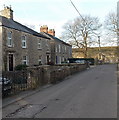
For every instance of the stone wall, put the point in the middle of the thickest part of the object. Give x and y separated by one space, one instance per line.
47 74
35 77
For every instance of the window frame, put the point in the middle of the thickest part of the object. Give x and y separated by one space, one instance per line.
40 60
9 39
23 41
65 49
39 43
59 48
56 49
25 60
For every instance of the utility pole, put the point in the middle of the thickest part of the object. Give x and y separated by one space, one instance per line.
99 47
93 32
77 11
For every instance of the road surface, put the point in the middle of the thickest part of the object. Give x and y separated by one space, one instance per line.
89 94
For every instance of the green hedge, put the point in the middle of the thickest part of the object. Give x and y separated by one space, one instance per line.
21 67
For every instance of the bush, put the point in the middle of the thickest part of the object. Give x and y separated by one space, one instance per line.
21 67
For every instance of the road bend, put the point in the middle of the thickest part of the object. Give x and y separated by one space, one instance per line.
88 94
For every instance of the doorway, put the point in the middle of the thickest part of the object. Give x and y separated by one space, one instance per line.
48 59
10 62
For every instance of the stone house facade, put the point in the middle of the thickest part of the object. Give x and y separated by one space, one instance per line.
20 44
60 51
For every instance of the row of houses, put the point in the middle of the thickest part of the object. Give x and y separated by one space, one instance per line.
22 45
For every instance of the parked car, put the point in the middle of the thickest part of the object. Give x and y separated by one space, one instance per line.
5 85
75 60
80 61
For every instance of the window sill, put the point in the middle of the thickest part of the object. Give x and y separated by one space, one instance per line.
10 46
24 47
39 48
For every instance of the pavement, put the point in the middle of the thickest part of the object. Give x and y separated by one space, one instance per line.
14 98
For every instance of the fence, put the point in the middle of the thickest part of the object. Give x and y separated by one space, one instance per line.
13 82
34 77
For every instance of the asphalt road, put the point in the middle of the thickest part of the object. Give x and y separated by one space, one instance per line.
89 94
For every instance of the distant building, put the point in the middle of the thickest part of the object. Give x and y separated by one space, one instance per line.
20 44
108 54
60 51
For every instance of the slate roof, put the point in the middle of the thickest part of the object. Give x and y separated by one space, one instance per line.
17 26
55 38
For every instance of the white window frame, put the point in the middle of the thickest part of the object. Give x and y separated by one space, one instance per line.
39 44
63 59
24 45
56 48
9 39
60 59
65 49
47 45
25 61
59 48
40 60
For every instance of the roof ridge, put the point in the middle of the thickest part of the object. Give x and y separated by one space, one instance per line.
56 38
18 26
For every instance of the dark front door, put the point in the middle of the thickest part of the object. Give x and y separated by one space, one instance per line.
10 62
48 59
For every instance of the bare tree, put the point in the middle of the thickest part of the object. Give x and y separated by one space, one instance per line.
111 22
80 32
111 26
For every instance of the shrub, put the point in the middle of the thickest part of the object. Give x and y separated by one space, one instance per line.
21 67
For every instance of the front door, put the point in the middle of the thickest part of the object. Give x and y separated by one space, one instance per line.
10 62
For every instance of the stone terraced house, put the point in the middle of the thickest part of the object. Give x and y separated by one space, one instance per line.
22 45
60 50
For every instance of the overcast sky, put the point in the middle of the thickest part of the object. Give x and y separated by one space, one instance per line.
55 13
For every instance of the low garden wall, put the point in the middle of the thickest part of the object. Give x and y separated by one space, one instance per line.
45 74
34 77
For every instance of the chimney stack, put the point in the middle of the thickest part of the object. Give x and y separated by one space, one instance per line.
44 28
7 12
51 32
